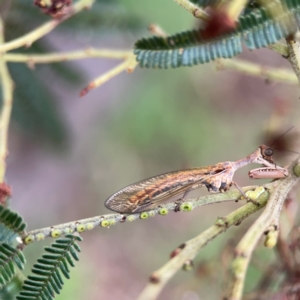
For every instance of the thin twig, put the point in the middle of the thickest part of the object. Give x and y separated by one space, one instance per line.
273 74
111 219
294 55
268 218
235 8
27 39
32 59
193 9
7 99
190 248
129 64
157 30
280 48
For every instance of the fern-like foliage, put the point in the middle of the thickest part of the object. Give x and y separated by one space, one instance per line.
184 49
9 257
11 226
47 279
255 27
204 3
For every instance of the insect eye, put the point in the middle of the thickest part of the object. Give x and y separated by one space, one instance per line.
268 152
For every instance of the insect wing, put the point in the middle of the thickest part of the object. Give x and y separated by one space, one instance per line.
136 197
146 194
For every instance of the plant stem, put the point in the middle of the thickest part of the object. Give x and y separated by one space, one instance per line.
294 55
268 218
111 219
191 248
269 73
32 59
7 99
193 9
27 39
130 63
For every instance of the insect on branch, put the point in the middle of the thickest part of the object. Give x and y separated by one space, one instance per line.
147 194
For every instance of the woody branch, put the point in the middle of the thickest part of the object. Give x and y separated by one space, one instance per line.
112 219
277 191
268 220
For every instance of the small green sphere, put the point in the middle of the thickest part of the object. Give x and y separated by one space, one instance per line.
29 239
186 206
163 211
144 215
80 228
105 223
55 233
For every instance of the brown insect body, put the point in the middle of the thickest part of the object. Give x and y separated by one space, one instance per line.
146 194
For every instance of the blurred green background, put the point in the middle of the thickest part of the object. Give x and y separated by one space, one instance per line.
69 154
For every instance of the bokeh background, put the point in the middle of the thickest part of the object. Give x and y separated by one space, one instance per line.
68 154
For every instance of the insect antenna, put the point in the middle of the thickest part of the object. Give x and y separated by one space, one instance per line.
282 142
287 150
280 136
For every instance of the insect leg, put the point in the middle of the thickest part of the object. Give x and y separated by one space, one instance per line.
267 172
244 195
181 200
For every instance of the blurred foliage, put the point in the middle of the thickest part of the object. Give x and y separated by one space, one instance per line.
9 258
35 108
256 27
10 291
104 16
205 3
11 226
161 123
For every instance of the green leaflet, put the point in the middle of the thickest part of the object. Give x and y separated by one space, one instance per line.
204 3
184 49
47 279
11 225
256 28
9 257
259 30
